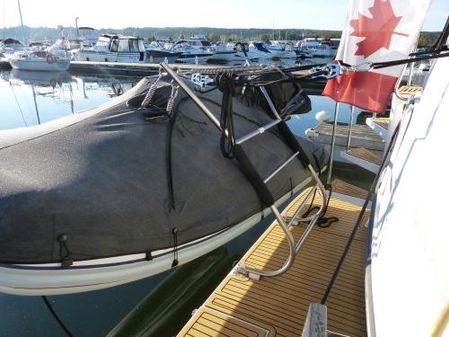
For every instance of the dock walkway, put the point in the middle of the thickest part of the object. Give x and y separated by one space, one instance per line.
278 306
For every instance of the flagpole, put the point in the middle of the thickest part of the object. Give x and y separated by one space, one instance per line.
334 131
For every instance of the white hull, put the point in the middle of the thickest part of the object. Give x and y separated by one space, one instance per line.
106 56
226 56
52 279
408 279
39 64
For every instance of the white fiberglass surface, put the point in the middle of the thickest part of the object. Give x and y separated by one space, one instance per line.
410 265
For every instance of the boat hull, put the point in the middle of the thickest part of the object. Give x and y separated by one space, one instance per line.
50 279
102 206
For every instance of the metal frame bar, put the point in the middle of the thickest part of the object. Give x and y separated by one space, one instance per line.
294 247
267 179
259 131
396 87
351 117
270 102
192 95
334 130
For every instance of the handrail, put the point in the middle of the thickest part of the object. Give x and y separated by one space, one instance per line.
294 247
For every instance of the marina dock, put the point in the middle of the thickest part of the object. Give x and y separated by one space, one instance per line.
362 136
278 306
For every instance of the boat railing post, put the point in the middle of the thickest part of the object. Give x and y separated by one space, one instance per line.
351 117
334 131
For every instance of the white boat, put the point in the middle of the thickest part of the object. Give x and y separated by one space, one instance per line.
282 49
40 60
193 50
157 53
261 51
316 48
409 254
114 48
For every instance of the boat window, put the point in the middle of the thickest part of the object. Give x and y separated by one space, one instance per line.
133 46
205 43
141 45
123 46
103 42
114 45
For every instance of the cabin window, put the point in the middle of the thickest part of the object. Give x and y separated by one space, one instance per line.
123 46
133 46
141 45
103 42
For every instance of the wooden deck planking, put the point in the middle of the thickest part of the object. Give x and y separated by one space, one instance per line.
342 187
383 122
279 305
366 154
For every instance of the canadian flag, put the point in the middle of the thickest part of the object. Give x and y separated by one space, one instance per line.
376 31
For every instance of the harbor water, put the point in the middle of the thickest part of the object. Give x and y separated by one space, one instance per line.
156 306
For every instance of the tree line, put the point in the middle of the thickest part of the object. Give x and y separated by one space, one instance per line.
426 39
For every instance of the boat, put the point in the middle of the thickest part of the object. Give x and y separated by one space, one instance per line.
381 266
260 51
199 49
282 49
40 60
10 46
193 50
146 182
317 47
157 53
114 48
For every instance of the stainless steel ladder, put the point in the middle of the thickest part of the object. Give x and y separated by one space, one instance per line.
260 182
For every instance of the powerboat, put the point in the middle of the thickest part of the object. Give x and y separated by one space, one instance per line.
317 48
260 51
114 48
193 50
139 185
282 49
40 60
157 53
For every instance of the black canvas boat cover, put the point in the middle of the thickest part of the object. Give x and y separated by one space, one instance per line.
101 178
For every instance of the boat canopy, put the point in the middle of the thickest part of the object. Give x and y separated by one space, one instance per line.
125 179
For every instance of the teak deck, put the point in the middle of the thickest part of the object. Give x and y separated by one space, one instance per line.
278 306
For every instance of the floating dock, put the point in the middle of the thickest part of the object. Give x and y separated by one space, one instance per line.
362 136
278 306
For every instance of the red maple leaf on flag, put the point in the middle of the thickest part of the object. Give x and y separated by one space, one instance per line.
377 30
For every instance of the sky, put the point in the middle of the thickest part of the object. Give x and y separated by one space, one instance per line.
279 14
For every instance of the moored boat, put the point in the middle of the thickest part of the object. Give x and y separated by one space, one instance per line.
139 185
114 48
40 60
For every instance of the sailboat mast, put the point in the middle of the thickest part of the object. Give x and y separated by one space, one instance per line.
21 21
4 20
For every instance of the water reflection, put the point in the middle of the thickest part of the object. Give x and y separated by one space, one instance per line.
30 98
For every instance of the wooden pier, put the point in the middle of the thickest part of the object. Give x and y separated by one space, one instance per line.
278 306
